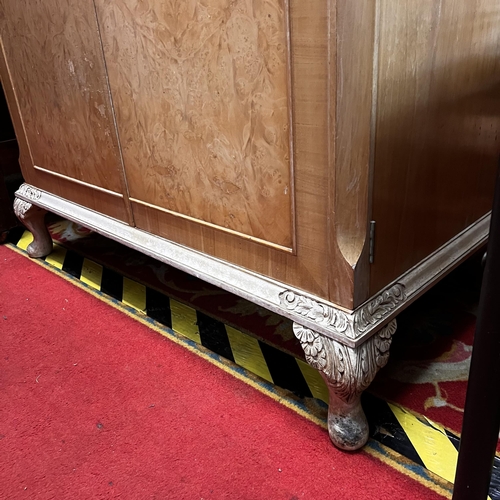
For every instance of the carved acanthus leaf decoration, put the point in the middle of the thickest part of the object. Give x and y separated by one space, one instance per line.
21 207
352 326
319 313
378 308
27 191
312 345
383 341
348 371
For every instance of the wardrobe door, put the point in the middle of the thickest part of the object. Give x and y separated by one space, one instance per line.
58 95
222 151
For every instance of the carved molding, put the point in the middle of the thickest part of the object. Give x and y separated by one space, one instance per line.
27 191
378 308
21 207
269 293
319 313
341 323
348 371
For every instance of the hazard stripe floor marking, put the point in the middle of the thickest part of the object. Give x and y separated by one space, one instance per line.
414 436
247 353
91 273
56 258
134 294
314 380
421 440
184 320
25 240
431 443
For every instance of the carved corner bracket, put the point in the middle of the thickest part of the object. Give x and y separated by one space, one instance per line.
347 372
351 369
33 217
21 208
340 324
26 191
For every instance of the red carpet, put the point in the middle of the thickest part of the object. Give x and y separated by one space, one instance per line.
94 404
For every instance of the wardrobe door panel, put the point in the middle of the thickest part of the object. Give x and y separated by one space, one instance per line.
54 61
222 111
202 101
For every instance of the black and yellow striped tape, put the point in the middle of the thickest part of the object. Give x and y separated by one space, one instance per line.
415 437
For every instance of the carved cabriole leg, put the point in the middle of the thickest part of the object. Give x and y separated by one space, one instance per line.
347 372
33 218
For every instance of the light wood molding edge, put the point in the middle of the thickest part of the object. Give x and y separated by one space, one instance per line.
350 328
214 226
78 181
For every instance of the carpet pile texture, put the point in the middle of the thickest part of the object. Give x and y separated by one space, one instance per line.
96 405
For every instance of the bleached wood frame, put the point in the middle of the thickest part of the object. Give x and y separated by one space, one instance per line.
348 347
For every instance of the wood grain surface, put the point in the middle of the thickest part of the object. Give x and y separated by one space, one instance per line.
25 160
249 127
201 91
268 217
56 67
351 105
436 127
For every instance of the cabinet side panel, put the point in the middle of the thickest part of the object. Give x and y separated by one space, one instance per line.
54 59
437 126
201 91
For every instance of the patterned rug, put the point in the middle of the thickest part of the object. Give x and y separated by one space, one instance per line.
205 297
430 355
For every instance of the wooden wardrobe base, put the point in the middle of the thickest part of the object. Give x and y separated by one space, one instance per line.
348 347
